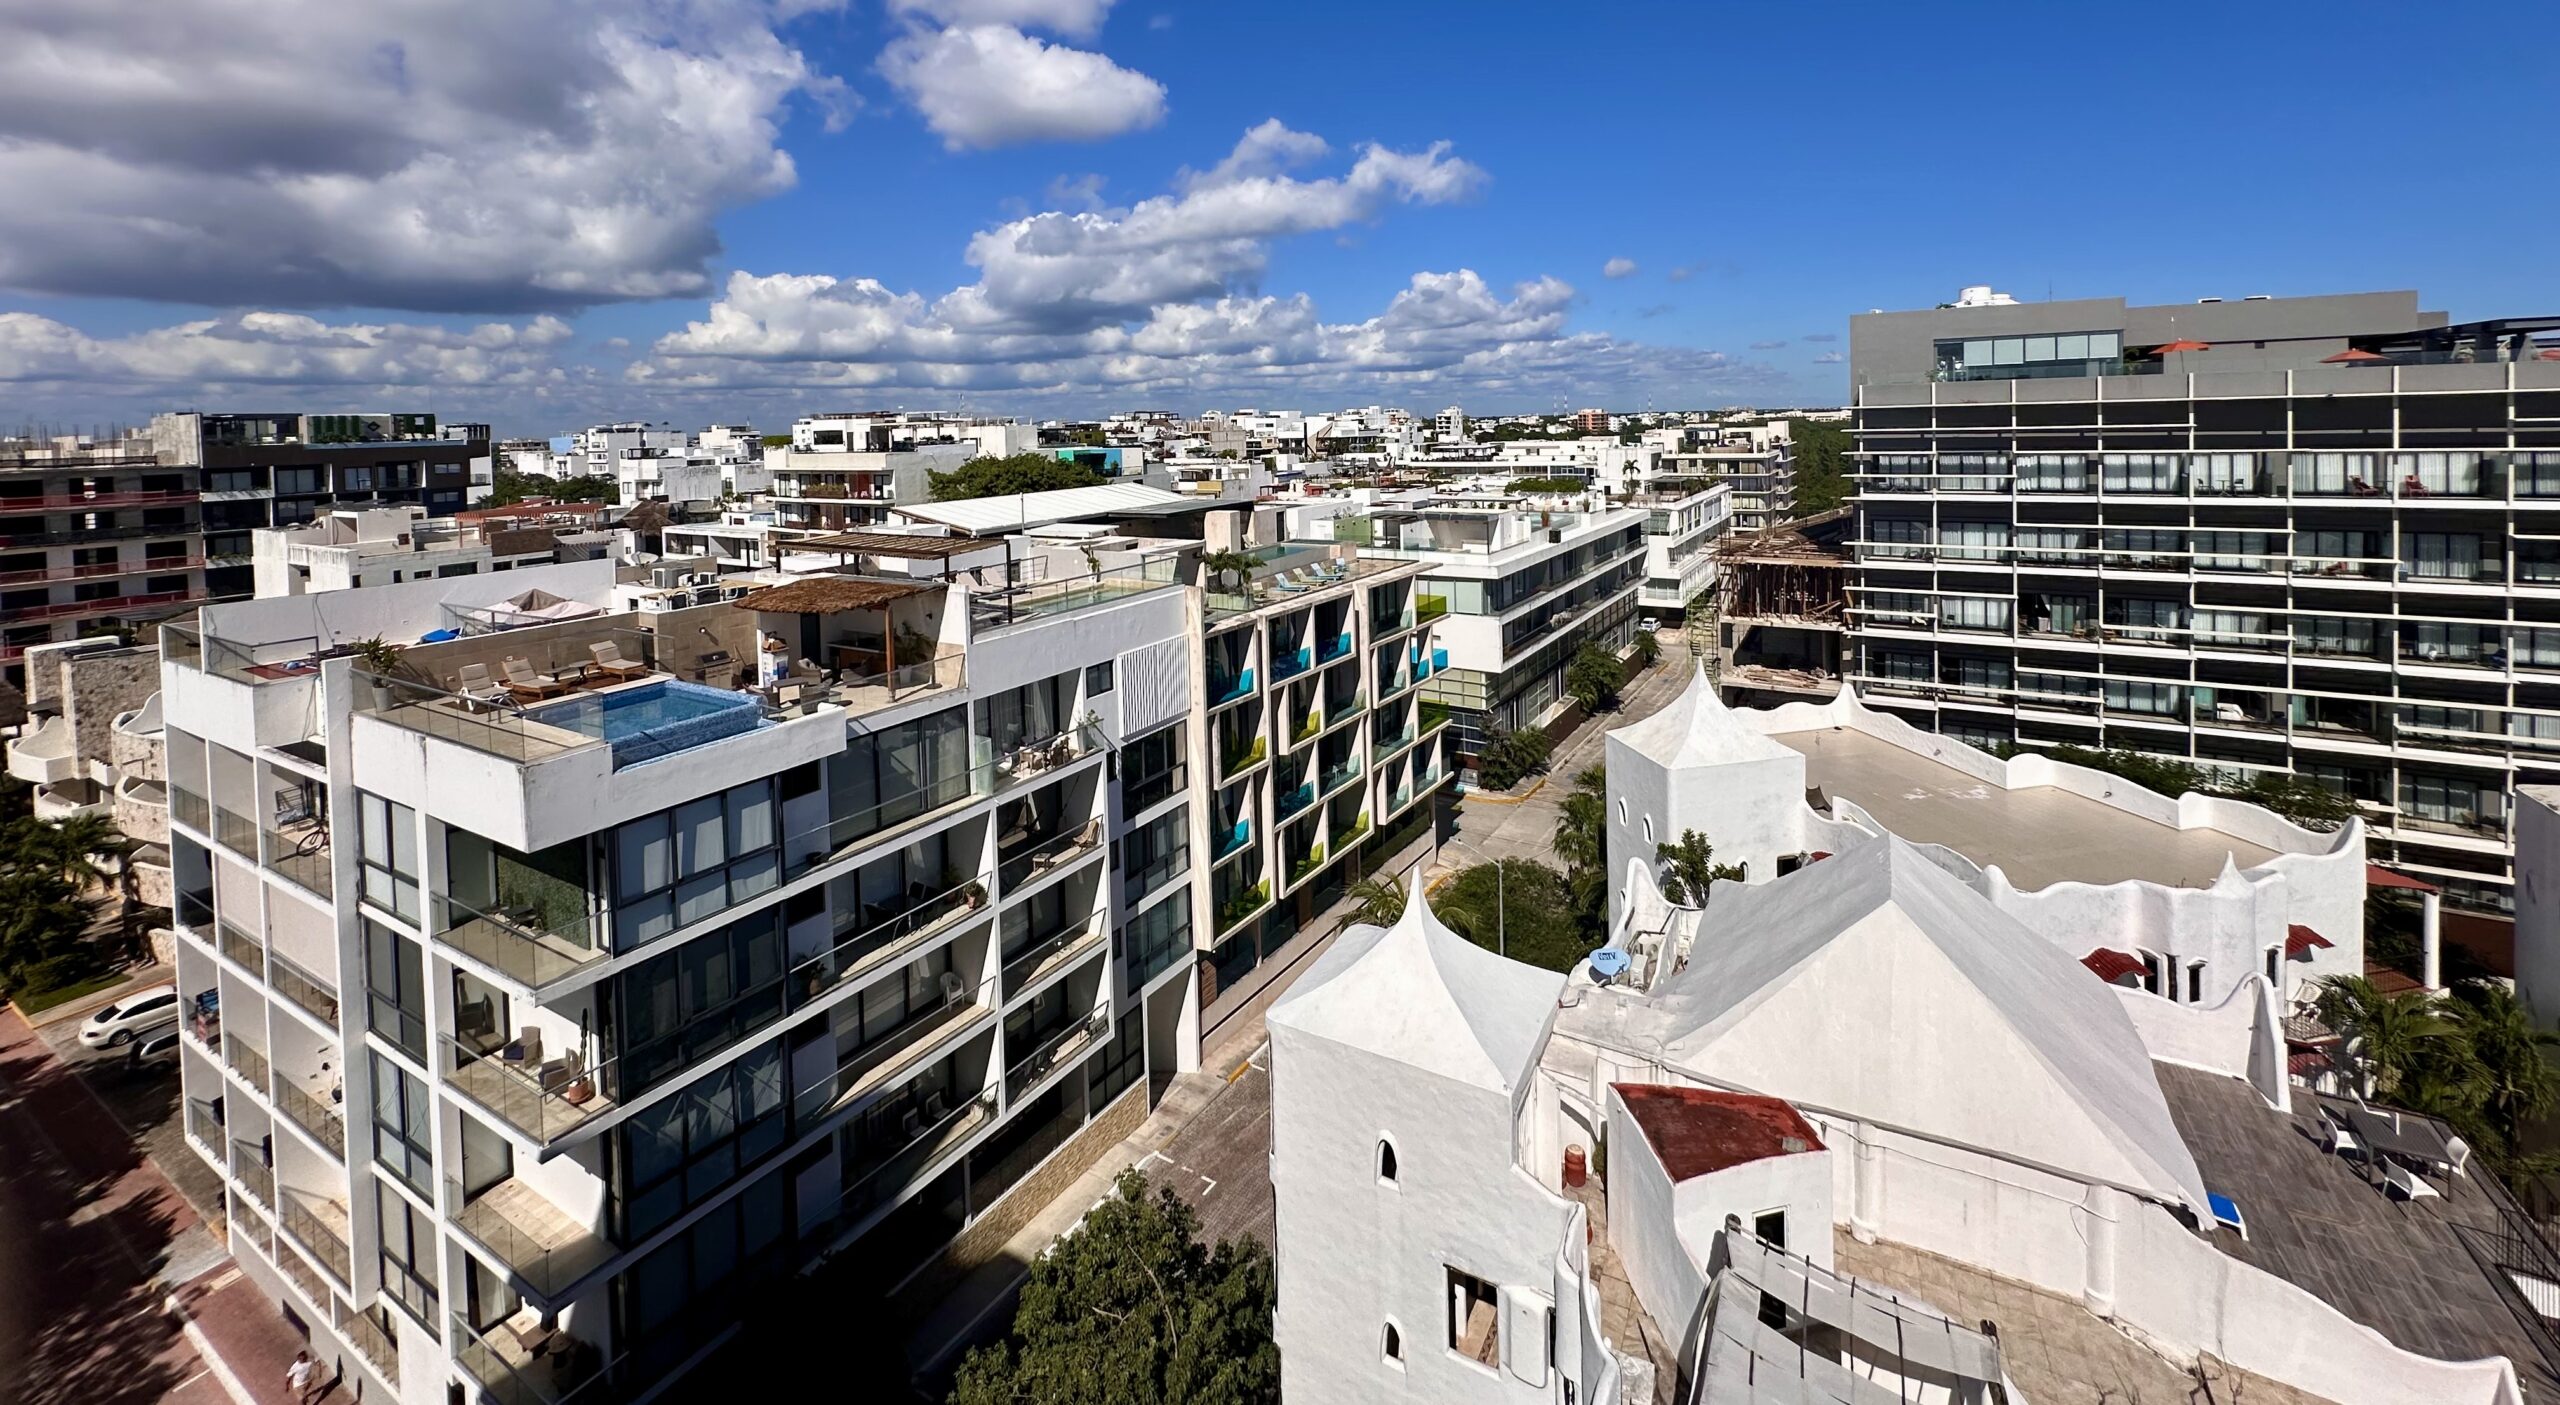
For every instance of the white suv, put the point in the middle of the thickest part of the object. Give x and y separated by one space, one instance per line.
116 1024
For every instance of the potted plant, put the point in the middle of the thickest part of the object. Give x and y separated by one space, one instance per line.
975 894
382 660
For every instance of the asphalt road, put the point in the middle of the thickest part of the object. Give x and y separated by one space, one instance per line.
85 1228
1219 1162
145 1103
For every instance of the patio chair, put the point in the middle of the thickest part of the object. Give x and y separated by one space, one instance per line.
2411 1187
2457 1154
2341 1141
611 663
523 682
474 684
2226 1211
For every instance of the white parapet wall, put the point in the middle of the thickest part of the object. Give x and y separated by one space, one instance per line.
2314 880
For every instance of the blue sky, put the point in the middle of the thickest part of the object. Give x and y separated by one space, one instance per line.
532 210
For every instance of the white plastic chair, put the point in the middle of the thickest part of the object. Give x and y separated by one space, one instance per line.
2398 1178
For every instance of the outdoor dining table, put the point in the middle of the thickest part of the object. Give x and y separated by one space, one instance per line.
2408 1137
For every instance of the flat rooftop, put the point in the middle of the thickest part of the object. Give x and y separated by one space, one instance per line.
2407 1269
2038 836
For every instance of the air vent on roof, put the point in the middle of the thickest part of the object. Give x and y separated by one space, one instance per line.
2207 300
2259 297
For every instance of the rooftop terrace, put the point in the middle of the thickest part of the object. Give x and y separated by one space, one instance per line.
2037 835
2420 1271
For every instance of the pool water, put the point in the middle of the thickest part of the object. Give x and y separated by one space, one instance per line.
654 719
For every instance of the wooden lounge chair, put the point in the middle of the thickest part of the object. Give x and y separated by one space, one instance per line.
474 684
523 682
611 663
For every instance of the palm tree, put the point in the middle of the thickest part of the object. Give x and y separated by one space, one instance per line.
1582 836
1648 648
2391 1037
2517 1081
1218 565
1375 902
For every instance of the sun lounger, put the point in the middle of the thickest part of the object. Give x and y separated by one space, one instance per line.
2226 1211
609 661
2410 1185
474 684
523 682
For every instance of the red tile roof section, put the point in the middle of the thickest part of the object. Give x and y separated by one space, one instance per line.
2299 940
2376 876
1696 1131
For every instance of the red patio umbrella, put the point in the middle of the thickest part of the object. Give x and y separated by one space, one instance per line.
2353 356
2182 345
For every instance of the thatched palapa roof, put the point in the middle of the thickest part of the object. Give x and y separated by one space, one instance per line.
832 595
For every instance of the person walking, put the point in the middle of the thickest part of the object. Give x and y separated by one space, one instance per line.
304 1377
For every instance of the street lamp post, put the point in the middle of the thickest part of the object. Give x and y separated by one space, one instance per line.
1501 909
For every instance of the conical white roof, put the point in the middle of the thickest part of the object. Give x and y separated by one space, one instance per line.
1426 997
1877 985
1697 729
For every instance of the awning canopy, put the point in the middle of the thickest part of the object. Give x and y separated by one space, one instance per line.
832 595
2310 1063
2300 941
2376 876
2112 965
2353 356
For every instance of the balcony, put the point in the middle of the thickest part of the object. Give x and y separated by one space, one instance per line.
1235 764
316 997
1234 841
536 946
538 1243
889 1058
1243 907
243 948
46 754
1052 1052
1338 647
1049 955
252 1175
1022 764
236 832
886 943
301 853
1294 800
545 1100
1024 859
189 809
1023 604
142 809
925 1132
1429 607
1142 793
248 1062
320 1226
532 1365
1290 665
1223 691
313 1116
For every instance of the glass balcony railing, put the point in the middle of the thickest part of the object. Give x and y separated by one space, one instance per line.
567 1371
302 857
877 1174
536 945
886 1059
546 1101
248 1062
242 947
1031 859
303 989
235 832
319 1226
190 809
1334 779
887 942
313 1116
1049 954
1430 607
1052 1052
533 1238
250 1171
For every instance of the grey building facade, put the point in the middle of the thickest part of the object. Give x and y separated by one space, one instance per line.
2316 535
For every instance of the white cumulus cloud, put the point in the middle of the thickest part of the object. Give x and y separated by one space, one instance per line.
441 155
1077 19
256 349
991 85
1618 268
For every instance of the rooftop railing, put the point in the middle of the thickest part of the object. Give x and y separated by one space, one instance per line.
1021 604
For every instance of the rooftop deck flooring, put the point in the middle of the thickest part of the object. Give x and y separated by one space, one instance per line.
2038 836
2399 1267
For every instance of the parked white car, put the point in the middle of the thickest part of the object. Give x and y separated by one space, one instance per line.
115 1025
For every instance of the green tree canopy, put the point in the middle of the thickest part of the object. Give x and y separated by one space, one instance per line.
1534 921
1132 1309
45 869
1822 464
1594 678
509 487
988 477
1689 866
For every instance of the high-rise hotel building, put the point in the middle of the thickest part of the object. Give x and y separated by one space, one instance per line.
2317 535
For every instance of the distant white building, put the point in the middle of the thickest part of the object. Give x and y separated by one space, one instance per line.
1450 423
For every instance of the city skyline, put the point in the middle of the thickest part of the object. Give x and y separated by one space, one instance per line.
736 211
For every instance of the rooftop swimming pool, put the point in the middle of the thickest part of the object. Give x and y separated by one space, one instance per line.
654 719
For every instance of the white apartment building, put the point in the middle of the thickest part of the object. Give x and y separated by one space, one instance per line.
1450 424
1758 460
352 547
680 477
549 997
846 471
1681 528
596 451
1317 758
1516 592
1866 1125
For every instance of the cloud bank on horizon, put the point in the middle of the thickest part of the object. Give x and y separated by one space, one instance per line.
549 158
